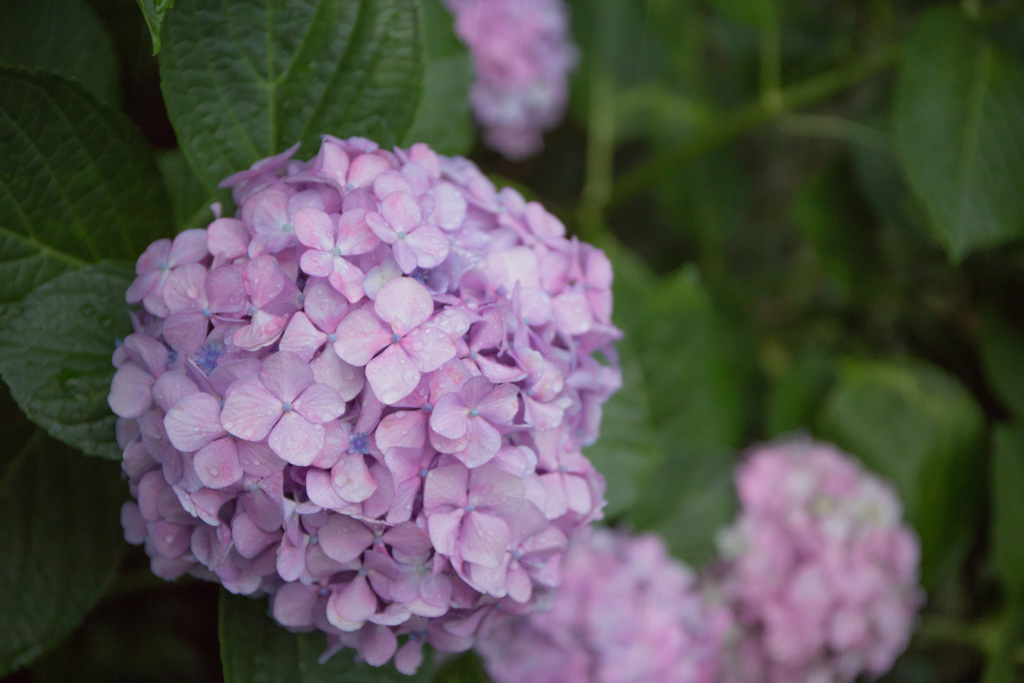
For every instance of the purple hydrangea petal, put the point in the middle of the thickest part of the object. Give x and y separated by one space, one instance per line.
193 422
250 411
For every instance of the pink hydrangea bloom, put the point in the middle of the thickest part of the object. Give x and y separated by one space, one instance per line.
625 613
522 55
366 396
820 569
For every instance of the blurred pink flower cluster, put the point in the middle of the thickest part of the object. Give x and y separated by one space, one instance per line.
522 55
820 570
625 613
367 395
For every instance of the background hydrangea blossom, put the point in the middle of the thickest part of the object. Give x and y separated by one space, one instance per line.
522 56
820 570
625 612
366 396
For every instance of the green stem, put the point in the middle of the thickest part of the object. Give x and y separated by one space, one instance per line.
979 636
770 54
750 117
597 186
834 127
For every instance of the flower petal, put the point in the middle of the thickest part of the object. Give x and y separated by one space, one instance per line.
343 539
193 422
448 418
250 411
285 375
296 440
403 303
392 375
319 404
430 246
355 236
314 228
483 539
445 486
429 347
217 465
301 337
360 336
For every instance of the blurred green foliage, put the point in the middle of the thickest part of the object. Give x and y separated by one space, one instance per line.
815 211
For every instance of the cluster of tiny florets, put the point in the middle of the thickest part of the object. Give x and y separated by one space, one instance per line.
625 613
366 395
522 55
820 570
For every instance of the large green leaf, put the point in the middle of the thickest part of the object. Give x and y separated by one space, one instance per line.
190 200
61 36
464 668
686 500
55 351
626 449
919 428
245 80
796 395
78 183
958 123
676 436
696 362
254 649
443 117
153 12
61 545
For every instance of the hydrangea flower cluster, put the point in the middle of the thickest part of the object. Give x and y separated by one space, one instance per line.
522 55
626 612
367 395
820 570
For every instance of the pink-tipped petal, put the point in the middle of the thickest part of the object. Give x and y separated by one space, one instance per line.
314 228
365 168
346 278
355 235
401 211
360 336
318 263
